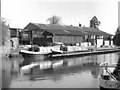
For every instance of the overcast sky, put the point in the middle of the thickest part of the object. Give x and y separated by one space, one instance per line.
72 12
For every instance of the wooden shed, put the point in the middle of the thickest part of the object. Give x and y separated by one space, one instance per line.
43 34
14 34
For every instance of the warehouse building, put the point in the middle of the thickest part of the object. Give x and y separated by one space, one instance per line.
44 34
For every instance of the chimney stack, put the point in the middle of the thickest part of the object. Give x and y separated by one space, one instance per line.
80 25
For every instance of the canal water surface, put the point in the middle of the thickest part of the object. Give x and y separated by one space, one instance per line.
76 72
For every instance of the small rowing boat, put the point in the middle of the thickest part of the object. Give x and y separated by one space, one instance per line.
109 77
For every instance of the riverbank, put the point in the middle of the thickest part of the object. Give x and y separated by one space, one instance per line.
97 51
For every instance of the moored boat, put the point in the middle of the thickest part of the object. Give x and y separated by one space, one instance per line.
34 54
108 79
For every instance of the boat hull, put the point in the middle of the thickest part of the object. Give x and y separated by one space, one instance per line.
108 85
103 88
35 57
29 57
107 79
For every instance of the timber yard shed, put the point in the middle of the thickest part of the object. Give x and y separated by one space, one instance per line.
43 34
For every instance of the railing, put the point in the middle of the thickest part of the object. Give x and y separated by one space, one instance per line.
111 75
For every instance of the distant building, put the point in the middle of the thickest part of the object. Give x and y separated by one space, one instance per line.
43 34
97 37
14 34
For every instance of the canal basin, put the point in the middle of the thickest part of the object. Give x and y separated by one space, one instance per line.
73 74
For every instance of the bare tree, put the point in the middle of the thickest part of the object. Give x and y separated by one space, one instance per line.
94 22
54 20
5 31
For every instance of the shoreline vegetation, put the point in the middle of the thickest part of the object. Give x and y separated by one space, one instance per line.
5 45
4 50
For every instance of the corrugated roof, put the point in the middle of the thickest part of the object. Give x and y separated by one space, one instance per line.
67 30
60 30
55 27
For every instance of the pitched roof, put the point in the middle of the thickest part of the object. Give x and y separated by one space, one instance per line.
93 31
57 29
66 30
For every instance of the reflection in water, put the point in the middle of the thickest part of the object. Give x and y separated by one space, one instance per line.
95 72
57 73
10 70
6 73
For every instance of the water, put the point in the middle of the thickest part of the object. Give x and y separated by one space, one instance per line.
77 72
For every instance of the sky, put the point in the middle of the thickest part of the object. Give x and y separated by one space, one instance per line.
119 14
19 13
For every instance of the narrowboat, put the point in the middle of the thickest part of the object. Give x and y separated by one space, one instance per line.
34 54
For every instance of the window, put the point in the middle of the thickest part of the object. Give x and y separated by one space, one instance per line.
99 37
25 35
86 36
92 37
37 34
13 32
